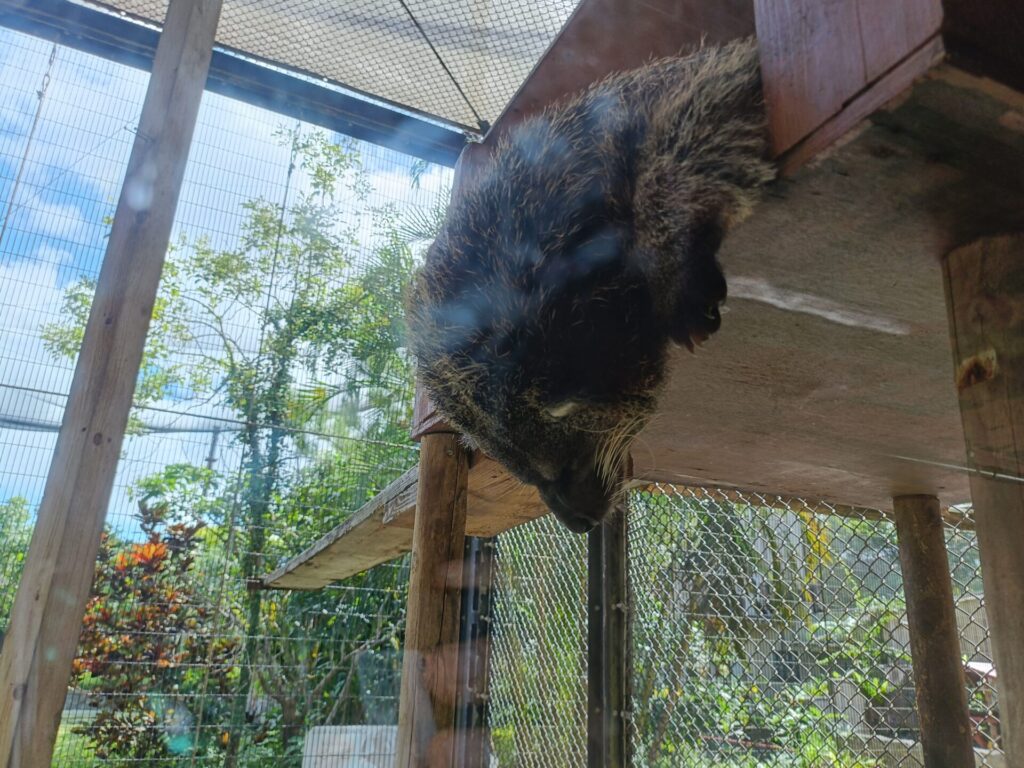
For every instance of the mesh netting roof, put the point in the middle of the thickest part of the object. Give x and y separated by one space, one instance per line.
374 46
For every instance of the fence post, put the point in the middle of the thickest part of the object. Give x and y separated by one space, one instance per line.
47 615
426 719
934 637
608 643
471 720
985 301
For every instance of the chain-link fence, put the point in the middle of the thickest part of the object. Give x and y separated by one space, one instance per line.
274 399
766 632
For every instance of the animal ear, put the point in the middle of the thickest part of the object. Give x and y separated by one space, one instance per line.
562 409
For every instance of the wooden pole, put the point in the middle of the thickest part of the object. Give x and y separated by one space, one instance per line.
472 729
985 299
934 637
609 698
47 615
617 637
597 738
427 707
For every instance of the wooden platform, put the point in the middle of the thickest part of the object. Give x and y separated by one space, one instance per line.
832 376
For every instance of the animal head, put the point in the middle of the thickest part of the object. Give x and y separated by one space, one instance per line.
551 375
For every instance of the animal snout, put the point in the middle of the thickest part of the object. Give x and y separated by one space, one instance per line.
579 499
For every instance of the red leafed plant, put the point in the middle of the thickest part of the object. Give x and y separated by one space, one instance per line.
146 650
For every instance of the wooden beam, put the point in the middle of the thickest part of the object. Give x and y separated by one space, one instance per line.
817 57
426 719
364 540
946 737
47 615
382 529
985 298
618 701
608 642
472 723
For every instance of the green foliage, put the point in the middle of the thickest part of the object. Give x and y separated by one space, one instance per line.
15 534
295 330
145 648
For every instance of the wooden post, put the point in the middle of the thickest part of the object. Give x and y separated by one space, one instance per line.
985 299
597 738
934 637
472 729
426 719
608 644
617 637
47 615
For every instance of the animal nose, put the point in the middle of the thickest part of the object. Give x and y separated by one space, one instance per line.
579 509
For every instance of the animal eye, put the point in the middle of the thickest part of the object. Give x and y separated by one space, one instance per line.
711 312
563 409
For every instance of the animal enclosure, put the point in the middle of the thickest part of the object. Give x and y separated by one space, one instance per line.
247 538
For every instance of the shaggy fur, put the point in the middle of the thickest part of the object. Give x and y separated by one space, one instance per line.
542 315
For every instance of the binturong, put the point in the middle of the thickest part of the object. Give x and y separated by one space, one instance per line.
542 316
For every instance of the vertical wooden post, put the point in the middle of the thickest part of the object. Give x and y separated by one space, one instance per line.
47 615
934 637
617 637
985 299
426 719
597 738
471 722
608 644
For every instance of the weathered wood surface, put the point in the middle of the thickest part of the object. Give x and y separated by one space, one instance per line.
429 695
366 539
985 295
829 378
946 732
47 615
817 56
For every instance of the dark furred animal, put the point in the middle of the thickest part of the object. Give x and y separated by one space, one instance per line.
543 313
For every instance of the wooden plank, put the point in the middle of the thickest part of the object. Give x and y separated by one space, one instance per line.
47 613
889 86
889 31
364 540
985 295
811 63
829 377
946 734
426 717
819 55
605 36
382 529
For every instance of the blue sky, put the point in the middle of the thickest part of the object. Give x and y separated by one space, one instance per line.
56 233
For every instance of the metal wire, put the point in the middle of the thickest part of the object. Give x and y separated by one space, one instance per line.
763 635
161 657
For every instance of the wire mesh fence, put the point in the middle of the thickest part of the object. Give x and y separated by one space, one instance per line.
766 632
274 399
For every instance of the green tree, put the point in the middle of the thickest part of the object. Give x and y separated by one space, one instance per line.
146 631
15 534
297 332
